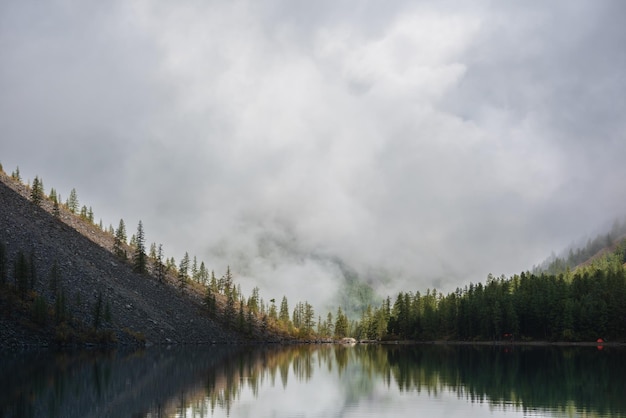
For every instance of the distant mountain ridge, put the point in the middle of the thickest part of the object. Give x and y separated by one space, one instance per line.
572 258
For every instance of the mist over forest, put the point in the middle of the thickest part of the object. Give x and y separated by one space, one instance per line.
412 145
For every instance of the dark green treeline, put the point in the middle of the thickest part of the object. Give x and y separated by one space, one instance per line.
581 306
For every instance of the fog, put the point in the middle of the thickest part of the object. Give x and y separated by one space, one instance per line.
421 144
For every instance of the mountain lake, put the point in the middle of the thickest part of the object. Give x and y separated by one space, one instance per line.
431 380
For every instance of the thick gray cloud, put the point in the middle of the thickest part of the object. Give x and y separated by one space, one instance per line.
431 144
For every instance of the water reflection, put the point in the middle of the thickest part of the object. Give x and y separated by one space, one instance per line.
316 381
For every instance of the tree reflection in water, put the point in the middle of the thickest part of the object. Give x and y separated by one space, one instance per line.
212 381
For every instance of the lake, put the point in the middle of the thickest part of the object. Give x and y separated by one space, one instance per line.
317 381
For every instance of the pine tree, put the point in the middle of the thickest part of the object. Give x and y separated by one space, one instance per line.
153 251
139 258
283 315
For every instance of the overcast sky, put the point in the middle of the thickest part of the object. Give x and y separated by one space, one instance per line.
430 142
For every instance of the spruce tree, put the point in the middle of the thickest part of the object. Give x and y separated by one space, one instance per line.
36 192
283 315
213 283
160 268
139 258
120 240
72 201
183 271
211 302
341 324
203 274
194 270
16 174
56 211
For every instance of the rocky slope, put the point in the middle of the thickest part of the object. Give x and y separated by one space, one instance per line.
138 304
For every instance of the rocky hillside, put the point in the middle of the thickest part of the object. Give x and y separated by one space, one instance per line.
136 305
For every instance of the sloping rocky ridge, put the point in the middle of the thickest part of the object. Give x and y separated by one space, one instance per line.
138 303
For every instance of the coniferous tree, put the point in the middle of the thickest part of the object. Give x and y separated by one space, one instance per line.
183 270
170 264
90 215
341 324
139 258
153 251
241 322
211 302
120 240
283 315
330 326
16 174
194 270
83 212
273 313
72 201
253 301
56 210
203 274
36 192
160 268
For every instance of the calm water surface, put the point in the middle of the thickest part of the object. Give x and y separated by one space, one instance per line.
317 381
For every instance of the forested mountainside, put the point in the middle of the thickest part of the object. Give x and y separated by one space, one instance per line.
60 282
585 303
64 279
